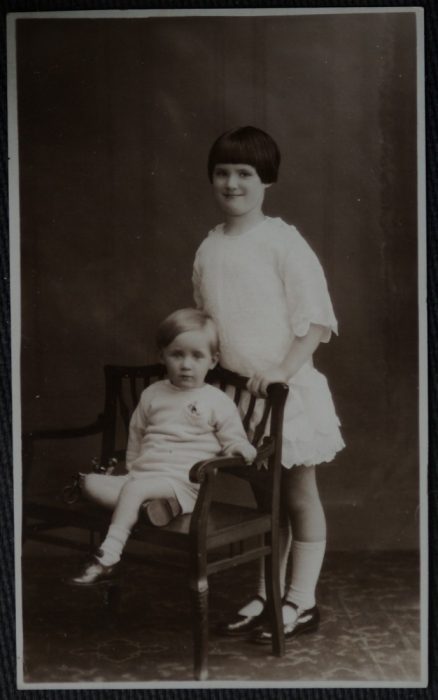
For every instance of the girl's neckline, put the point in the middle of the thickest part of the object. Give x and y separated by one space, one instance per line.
244 233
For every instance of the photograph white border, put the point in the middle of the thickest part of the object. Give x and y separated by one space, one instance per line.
14 218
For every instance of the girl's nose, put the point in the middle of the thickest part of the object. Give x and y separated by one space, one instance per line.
232 181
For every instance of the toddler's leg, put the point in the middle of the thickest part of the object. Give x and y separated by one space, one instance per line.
133 493
103 489
130 497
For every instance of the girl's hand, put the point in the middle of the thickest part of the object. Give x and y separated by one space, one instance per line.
300 351
247 451
259 383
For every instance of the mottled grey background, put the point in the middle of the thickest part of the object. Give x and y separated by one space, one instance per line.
115 121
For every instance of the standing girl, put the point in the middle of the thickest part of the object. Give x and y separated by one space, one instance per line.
266 291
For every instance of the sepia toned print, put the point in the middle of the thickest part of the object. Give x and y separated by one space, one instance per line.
115 213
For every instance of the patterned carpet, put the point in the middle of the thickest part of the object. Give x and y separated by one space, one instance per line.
369 629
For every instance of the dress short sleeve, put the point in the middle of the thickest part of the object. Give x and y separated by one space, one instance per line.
306 289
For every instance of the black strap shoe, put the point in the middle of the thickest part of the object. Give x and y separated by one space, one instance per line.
242 625
94 572
305 622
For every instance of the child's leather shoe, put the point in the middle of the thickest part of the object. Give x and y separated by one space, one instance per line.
242 625
160 511
94 572
305 622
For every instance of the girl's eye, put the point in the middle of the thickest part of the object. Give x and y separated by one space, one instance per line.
244 173
198 355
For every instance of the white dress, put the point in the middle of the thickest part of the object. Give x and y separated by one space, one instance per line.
263 288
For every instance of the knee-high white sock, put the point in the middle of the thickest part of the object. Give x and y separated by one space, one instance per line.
307 558
113 545
255 607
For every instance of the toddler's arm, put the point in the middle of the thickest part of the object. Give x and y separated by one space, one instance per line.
299 352
242 449
232 437
137 428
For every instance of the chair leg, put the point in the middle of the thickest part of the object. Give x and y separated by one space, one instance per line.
199 598
273 596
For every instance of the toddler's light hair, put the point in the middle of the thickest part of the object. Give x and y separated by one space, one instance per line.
184 320
249 145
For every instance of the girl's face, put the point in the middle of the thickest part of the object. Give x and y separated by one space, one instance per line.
238 189
188 359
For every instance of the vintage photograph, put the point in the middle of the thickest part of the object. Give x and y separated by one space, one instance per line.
218 289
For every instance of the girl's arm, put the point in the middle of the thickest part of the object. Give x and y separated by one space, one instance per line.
299 352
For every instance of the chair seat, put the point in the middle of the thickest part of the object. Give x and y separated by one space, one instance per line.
222 525
221 529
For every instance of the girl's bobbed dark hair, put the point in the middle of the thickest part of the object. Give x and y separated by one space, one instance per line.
247 145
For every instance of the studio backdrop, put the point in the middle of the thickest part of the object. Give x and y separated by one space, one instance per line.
115 120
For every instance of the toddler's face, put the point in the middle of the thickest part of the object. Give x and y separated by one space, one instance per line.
238 188
188 359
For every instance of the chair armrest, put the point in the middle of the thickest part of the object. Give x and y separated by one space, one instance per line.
65 433
200 470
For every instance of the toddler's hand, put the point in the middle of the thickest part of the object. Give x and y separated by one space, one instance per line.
248 452
259 383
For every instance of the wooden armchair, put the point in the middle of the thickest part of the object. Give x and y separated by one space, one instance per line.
210 539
